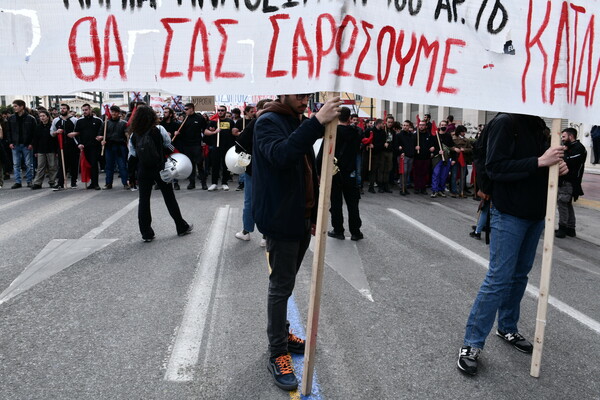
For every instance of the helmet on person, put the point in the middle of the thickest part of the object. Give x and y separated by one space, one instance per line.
177 166
232 160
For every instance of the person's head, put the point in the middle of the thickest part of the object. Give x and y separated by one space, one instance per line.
296 102
427 117
168 113
115 112
389 122
222 112
86 109
18 106
480 127
354 119
344 115
249 112
44 116
397 127
378 124
422 126
64 109
189 109
443 126
460 130
235 113
261 104
407 126
568 135
143 120
450 119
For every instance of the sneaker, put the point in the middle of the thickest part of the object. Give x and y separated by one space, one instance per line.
225 187
467 359
176 186
204 187
283 372
433 195
16 186
240 187
133 188
475 235
333 234
73 186
441 194
212 187
263 242
57 188
243 236
36 187
148 239
108 186
517 340
295 344
94 188
187 231
357 236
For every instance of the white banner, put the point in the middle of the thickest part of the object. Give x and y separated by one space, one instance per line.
529 56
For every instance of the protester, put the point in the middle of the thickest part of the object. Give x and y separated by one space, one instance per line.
144 122
88 131
115 148
517 163
596 144
188 140
424 151
440 162
21 127
284 206
219 141
44 150
569 186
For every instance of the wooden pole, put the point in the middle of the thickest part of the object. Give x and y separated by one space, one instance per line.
370 158
540 324
319 254
181 126
106 118
440 144
218 132
64 170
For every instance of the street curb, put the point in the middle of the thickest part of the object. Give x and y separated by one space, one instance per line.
592 170
594 204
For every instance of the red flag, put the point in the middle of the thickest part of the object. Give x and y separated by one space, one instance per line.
131 116
85 167
60 141
418 119
401 165
461 159
433 128
473 174
107 110
368 140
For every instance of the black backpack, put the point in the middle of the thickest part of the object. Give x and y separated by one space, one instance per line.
149 155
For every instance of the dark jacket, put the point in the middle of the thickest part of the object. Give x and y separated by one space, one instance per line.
347 144
426 141
115 132
21 129
226 138
282 146
380 137
513 147
89 128
190 133
408 141
43 142
575 157
172 126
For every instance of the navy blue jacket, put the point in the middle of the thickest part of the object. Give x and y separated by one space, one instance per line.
278 177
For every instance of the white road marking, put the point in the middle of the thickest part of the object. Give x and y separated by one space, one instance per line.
25 199
186 348
532 290
110 220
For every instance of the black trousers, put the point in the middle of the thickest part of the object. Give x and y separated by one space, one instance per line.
284 258
71 154
217 161
343 187
146 179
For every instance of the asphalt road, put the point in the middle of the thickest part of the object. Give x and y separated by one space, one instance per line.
101 315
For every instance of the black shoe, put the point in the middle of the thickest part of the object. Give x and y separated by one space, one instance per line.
371 189
283 372
94 187
417 192
187 231
570 232
357 236
467 360
559 233
475 235
336 235
191 186
29 184
16 186
295 344
518 341
204 187
57 188
380 189
240 187
423 191
108 186
403 193
176 186
36 187
148 239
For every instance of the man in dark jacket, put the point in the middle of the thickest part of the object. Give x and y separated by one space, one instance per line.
596 143
88 131
569 186
188 140
64 125
424 152
406 142
284 204
517 161
21 127
115 148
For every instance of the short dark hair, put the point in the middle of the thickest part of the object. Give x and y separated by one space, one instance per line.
19 103
86 105
261 103
344 114
450 118
248 108
354 115
378 121
460 128
190 105
236 111
571 131
115 108
44 112
390 117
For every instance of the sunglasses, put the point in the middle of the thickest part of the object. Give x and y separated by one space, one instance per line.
222 110
308 96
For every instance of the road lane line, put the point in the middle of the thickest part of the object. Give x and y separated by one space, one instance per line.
24 200
186 348
110 220
531 290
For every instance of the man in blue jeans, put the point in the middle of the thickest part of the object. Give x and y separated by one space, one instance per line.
517 161
21 126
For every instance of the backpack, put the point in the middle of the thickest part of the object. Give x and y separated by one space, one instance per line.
148 154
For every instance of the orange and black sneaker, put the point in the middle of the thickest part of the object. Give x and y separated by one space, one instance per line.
295 344
283 371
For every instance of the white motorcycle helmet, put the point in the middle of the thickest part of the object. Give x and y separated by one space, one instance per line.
234 163
177 166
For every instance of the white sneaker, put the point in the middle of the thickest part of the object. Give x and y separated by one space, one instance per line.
243 236
212 187
263 242
224 187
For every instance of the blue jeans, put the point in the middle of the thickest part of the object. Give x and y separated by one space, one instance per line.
440 175
453 178
116 153
358 169
483 217
18 153
512 251
247 218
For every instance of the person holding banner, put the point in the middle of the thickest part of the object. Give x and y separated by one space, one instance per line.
88 130
64 126
284 205
115 147
517 161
